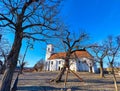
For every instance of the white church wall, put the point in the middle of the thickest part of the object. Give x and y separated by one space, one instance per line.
48 66
76 65
60 64
95 69
90 62
52 65
73 65
82 64
85 67
79 65
56 64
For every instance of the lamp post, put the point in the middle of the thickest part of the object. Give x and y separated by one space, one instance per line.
29 45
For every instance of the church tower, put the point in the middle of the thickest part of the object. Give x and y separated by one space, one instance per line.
49 51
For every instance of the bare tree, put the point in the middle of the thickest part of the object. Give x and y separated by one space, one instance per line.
117 65
70 44
39 65
31 19
4 51
100 52
113 54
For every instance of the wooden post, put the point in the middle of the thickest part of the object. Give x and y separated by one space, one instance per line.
66 77
76 75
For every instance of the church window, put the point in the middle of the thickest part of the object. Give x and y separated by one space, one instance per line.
52 49
59 62
84 61
51 62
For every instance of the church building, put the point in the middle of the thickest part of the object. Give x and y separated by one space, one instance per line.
81 60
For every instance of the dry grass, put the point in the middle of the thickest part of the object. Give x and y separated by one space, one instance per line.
41 82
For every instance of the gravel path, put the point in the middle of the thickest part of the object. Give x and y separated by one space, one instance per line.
40 81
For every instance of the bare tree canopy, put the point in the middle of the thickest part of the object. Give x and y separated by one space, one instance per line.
71 43
100 52
110 49
33 19
113 45
30 17
113 53
4 48
39 65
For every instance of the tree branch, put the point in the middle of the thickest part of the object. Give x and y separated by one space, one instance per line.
40 25
7 19
33 38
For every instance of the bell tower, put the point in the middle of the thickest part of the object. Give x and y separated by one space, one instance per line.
49 51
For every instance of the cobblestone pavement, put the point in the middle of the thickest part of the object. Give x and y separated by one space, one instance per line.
40 81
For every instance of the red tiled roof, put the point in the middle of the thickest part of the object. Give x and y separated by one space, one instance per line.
79 54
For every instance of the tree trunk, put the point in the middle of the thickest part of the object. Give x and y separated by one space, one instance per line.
7 78
58 79
114 77
11 63
14 88
115 82
101 69
59 76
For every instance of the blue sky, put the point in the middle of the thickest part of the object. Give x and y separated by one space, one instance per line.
99 18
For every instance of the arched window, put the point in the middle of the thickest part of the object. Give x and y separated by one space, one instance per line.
84 61
52 62
59 68
48 49
59 62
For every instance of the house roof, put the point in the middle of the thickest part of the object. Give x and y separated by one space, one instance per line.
79 54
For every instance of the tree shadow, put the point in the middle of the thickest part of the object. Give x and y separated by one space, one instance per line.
38 88
46 88
74 80
99 81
